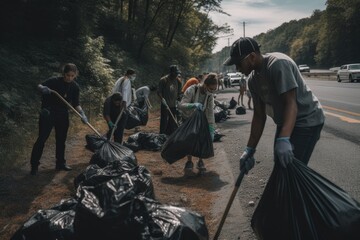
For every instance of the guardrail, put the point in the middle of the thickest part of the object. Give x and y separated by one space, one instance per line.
323 75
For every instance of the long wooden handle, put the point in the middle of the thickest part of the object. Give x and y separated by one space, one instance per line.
173 117
115 124
72 108
233 194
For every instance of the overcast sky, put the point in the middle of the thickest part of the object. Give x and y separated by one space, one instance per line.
261 16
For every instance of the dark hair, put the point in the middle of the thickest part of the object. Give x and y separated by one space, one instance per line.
70 67
129 72
211 79
116 97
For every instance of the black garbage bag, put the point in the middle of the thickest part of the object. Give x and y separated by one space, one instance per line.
93 142
217 136
232 103
220 114
137 116
191 138
112 151
240 110
106 209
167 222
298 203
139 175
147 141
51 224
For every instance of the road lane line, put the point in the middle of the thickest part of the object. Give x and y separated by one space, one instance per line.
343 118
340 110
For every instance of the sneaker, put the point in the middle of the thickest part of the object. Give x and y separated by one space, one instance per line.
63 167
189 165
201 166
34 171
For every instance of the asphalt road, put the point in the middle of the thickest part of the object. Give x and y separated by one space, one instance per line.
336 155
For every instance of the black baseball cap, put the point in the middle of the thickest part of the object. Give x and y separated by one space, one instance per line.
240 49
174 69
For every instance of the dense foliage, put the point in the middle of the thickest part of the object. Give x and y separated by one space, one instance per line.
103 38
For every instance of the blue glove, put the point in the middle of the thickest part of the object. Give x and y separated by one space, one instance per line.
212 132
247 160
83 117
197 105
283 151
45 90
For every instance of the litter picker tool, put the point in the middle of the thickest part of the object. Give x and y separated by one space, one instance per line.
168 108
233 194
72 108
147 101
116 122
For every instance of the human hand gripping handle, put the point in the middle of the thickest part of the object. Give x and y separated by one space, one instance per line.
247 160
45 90
111 125
83 117
283 151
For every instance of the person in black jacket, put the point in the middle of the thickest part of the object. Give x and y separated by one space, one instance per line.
113 105
54 114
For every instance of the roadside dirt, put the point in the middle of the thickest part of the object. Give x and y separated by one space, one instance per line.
21 194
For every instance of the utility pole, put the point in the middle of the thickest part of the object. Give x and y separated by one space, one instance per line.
221 58
244 28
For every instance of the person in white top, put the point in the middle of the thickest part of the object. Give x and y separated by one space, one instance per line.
123 85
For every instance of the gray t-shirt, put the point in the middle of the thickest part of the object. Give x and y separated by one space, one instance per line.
279 74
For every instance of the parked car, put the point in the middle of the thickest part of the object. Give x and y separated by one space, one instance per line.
304 68
233 79
349 72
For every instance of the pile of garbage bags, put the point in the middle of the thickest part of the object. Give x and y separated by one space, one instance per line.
114 199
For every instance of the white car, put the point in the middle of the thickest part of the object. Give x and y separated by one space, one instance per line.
233 78
304 68
349 72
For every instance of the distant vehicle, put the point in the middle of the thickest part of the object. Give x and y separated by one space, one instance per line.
349 72
233 79
304 68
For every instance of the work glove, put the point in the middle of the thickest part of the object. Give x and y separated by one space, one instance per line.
45 90
198 106
111 125
247 160
83 117
283 151
212 132
164 101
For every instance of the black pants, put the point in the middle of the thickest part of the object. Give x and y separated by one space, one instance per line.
48 120
167 123
119 131
303 140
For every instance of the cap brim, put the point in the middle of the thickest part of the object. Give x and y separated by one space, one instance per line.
233 60
230 61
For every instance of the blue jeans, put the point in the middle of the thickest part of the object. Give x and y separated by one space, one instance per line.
303 140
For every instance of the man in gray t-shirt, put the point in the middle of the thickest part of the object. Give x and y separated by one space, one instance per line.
279 91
